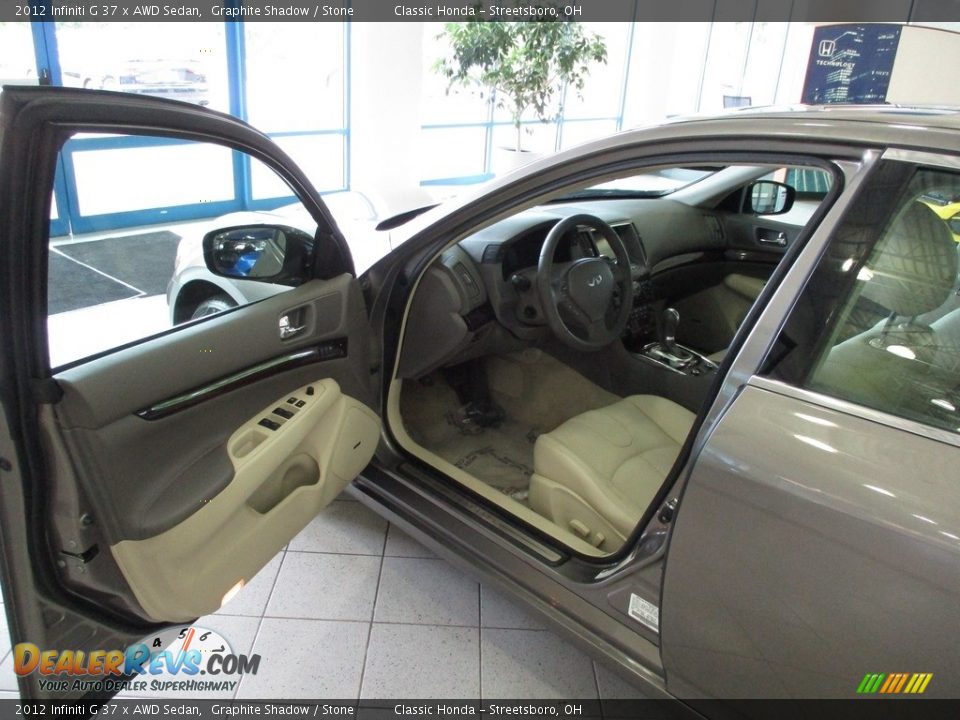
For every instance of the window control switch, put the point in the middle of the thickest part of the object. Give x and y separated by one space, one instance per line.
285 414
269 424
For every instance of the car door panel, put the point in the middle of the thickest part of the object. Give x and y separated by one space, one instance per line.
194 482
759 233
281 479
816 507
144 486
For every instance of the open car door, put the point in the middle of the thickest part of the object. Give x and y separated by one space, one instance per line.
142 485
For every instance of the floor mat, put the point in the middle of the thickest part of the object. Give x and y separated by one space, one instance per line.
537 392
500 456
143 261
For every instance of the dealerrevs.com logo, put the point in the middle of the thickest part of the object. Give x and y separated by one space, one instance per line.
177 660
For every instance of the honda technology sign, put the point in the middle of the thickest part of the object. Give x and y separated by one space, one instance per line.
851 63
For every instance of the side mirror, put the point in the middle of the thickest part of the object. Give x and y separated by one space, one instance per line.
767 197
267 253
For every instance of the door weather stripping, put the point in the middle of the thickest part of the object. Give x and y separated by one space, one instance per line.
326 351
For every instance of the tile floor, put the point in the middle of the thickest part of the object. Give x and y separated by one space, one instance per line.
354 608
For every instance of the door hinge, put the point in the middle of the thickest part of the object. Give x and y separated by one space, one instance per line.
78 558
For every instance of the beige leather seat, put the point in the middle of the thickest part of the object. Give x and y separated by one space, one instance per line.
597 473
912 272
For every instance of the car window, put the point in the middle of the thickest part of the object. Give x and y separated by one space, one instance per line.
126 256
809 182
888 290
811 185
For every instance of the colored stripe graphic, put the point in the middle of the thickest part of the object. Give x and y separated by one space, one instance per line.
914 682
894 683
870 683
891 681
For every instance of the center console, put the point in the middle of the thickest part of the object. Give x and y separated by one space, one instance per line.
667 352
653 338
657 363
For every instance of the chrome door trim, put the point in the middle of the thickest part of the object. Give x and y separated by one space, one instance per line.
238 379
921 157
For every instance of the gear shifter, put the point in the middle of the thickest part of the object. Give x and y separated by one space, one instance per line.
667 352
668 328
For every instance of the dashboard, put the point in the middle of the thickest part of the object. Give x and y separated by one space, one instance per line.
480 295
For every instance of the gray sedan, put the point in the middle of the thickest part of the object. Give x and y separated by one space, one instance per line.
690 393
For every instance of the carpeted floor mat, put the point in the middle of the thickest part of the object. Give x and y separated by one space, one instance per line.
501 457
537 393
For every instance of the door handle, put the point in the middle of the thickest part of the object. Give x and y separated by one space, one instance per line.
772 237
287 327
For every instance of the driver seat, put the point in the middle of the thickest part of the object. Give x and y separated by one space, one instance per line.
596 474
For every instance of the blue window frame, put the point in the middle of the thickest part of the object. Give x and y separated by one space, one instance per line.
334 141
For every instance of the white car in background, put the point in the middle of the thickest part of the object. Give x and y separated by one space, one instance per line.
195 292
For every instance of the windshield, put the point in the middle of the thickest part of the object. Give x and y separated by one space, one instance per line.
654 183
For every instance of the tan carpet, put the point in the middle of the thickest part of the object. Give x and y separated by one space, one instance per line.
537 392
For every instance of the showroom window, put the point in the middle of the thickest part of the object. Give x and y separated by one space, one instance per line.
16 53
888 287
251 70
116 287
462 130
295 91
654 71
183 61
743 65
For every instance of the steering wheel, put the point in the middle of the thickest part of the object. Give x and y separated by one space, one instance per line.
586 303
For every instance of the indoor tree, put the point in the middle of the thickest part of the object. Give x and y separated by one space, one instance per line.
521 65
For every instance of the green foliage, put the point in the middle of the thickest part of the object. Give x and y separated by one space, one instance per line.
521 65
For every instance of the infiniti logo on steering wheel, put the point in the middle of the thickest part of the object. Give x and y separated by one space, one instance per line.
595 281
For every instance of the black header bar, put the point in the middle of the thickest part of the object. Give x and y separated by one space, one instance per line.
813 11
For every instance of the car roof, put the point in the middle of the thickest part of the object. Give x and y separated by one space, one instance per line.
931 129
927 129
934 116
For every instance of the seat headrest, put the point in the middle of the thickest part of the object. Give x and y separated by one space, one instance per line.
914 266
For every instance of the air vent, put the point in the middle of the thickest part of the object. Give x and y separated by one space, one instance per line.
714 227
492 254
